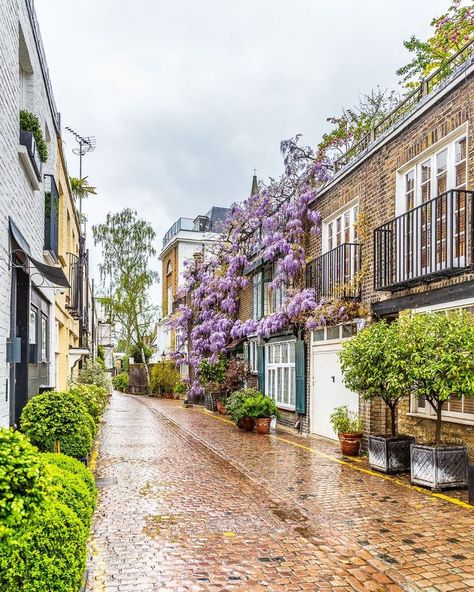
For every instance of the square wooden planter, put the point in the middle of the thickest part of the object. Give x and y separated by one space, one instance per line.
439 467
390 454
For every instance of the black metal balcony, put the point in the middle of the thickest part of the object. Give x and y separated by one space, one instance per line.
74 298
51 211
27 139
335 274
429 242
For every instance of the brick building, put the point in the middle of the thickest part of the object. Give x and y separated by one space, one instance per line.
397 234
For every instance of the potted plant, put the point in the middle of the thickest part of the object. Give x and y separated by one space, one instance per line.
349 429
374 364
261 408
234 408
441 347
223 378
180 389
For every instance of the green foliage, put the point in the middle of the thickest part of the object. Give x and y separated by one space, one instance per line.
441 357
259 405
164 376
71 490
101 353
344 421
23 480
452 30
54 416
48 553
234 403
120 382
73 466
92 396
375 363
93 372
230 375
213 371
180 388
135 352
29 122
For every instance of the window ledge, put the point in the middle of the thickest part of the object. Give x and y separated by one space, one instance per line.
285 407
28 167
450 419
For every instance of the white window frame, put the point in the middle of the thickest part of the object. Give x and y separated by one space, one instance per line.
427 411
275 371
326 330
253 355
351 208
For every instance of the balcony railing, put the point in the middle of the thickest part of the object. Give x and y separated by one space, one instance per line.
180 224
428 242
336 273
51 210
74 298
27 140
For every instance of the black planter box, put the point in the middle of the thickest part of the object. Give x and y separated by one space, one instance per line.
439 467
390 454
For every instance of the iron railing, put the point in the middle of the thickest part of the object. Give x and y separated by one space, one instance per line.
336 273
407 103
51 211
180 224
430 241
74 298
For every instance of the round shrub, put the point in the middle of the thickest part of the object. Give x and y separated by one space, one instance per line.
48 553
92 396
23 480
234 404
72 491
71 465
59 416
120 382
93 372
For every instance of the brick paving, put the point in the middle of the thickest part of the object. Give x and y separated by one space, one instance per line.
190 503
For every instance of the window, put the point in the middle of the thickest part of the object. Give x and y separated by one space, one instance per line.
169 300
341 228
335 332
252 355
257 302
169 268
33 335
44 339
280 373
463 408
266 298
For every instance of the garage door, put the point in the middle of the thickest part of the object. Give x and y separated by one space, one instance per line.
328 390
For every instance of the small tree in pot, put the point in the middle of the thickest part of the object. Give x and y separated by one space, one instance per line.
262 408
375 363
441 347
349 429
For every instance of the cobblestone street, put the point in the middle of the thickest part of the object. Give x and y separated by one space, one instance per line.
190 503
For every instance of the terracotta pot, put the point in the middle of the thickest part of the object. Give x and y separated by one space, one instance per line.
247 424
263 425
221 407
169 396
350 444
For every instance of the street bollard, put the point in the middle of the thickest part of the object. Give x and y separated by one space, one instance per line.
470 483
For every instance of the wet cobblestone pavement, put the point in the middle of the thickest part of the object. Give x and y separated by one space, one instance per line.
190 503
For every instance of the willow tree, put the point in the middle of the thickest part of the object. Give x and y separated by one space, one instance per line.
127 248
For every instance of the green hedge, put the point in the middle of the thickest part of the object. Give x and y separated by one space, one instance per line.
71 465
120 382
23 480
47 554
54 416
92 396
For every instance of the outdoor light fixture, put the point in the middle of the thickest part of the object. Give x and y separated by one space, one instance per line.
360 324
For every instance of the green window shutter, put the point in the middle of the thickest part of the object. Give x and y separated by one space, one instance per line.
300 376
261 367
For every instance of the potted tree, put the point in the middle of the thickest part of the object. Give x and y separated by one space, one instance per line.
441 347
261 408
349 429
375 364
234 408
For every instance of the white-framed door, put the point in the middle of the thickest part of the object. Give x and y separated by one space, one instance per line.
327 389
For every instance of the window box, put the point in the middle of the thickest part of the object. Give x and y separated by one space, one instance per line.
390 454
30 159
439 467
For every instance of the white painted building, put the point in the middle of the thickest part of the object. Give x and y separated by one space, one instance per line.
26 312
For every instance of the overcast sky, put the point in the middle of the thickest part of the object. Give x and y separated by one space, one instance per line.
185 97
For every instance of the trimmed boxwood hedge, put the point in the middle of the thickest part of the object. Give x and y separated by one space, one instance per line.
23 480
54 416
92 396
72 491
71 465
47 554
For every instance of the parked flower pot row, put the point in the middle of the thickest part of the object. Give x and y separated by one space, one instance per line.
436 467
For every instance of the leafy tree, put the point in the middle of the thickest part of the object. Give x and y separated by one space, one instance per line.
127 247
81 189
452 30
441 357
375 363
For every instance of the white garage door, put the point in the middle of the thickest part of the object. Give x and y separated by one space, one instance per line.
328 390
